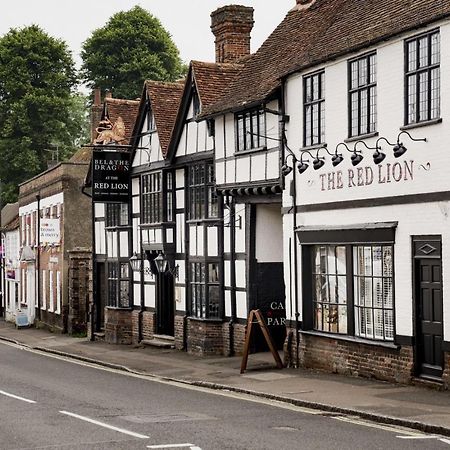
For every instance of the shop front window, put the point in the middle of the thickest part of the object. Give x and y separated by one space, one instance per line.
356 298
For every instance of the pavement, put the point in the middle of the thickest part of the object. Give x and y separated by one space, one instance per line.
416 407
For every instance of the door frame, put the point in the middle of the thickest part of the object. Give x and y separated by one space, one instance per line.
416 295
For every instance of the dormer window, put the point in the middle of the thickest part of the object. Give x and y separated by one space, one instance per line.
251 130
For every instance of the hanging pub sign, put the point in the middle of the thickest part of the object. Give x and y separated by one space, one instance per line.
111 176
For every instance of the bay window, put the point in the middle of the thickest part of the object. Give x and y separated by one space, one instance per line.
352 289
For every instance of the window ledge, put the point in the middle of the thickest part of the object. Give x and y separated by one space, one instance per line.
203 319
120 308
361 137
118 227
420 124
208 220
313 147
249 151
354 339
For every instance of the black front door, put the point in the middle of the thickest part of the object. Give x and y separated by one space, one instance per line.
165 304
429 306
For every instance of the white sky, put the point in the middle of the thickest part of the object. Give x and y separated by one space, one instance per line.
188 21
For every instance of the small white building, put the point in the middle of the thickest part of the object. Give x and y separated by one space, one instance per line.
10 262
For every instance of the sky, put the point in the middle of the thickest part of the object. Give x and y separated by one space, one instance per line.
188 21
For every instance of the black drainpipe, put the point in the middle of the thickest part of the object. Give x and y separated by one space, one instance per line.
232 216
293 192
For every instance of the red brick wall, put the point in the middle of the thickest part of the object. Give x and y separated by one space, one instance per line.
179 332
352 358
148 325
118 326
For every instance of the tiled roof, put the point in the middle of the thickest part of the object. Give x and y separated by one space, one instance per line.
82 155
165 99
9 212
127 109
212 78
326 30
12 225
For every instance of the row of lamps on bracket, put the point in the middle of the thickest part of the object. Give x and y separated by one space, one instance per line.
336 158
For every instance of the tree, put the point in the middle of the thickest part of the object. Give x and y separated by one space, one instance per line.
37 78
132 47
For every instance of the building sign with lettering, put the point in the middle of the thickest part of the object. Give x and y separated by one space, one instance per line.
111 176
50 232
365 176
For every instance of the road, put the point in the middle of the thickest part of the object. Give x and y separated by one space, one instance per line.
48 402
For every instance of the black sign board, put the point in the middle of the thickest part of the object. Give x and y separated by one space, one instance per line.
111 176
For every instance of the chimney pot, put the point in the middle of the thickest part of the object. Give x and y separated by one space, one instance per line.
231 26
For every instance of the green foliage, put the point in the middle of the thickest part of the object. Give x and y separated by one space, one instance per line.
132 47
37 106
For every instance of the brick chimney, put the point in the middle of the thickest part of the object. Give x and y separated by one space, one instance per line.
231 26
96 112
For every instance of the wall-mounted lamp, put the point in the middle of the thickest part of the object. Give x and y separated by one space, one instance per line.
399 148
135 263
162 265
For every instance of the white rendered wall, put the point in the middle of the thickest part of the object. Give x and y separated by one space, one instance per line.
424 169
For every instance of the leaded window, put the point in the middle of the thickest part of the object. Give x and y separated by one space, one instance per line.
373 291
330 289
117 214
251 129
152 198
363 95
169 197
118 285
202 194
423 84
353 290
205 298
314 108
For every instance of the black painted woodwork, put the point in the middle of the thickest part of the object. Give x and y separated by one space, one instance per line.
429 306
165 308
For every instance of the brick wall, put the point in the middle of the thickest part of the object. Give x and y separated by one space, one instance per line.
118 326
352 358
204 338
79 290
179 332
147 324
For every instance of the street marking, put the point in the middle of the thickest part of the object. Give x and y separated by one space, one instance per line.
438 438
105 425
418 437
17 397
191 446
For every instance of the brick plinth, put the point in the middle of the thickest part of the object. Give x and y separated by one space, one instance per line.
204 338
353 358
179 331
118 326
148 322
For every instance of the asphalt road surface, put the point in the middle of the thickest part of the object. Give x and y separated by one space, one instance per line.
48 402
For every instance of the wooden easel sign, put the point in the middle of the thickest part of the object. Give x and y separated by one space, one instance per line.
256 314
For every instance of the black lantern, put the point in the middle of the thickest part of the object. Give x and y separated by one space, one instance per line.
161 263
302 166
135 263
399 150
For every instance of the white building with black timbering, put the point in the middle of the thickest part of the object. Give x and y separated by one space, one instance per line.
364 239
